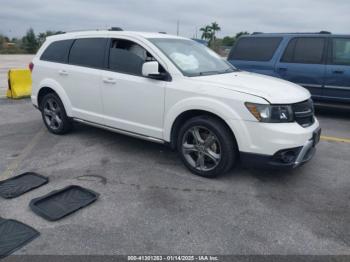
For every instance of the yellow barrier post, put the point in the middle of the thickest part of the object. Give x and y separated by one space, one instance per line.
19 83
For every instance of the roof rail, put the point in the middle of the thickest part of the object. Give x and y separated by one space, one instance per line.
77 30
302 33
116 29
94 29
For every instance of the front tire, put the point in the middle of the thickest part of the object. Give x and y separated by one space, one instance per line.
206 146
54 115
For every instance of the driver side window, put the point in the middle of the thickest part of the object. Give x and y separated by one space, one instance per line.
127 57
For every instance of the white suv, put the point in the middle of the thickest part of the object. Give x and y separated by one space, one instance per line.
172 90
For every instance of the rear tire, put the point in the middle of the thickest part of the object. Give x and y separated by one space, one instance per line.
206 146
54 115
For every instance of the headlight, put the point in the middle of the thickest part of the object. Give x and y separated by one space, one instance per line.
271 113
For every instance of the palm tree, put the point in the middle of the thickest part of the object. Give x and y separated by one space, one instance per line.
215 28
207 32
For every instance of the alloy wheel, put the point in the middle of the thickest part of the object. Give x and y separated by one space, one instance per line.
52 114
201 148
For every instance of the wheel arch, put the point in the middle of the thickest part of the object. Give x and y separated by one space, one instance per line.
50 86
194 106
188 114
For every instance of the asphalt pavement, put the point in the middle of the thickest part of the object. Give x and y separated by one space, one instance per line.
151 204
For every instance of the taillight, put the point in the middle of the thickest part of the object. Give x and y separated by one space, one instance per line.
31 66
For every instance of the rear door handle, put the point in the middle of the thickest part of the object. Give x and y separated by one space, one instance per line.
63 72
109 80
338 72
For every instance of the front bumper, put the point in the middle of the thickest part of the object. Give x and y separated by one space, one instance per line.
285 158
268 138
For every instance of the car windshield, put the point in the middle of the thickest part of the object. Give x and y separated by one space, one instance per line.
192 58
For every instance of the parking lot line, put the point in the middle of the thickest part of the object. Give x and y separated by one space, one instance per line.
335 139
25 152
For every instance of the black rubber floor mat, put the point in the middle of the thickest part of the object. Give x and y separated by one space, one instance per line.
14 235
61 203
18 185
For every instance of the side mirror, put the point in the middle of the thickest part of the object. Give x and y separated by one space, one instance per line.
151 69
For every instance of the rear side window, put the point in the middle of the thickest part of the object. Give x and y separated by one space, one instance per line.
305 50
57 51
89 52
289 52
255 48
341 51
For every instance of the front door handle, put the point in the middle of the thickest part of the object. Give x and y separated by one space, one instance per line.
283 69
109 80
63 72
338 72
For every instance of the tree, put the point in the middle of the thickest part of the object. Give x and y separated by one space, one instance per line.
29 42
206 32
2 41
42 36
238 35
7 48
215 28
209 32
228 41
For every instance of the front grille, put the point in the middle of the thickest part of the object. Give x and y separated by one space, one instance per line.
304 113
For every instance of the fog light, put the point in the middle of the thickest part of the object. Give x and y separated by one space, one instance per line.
287 156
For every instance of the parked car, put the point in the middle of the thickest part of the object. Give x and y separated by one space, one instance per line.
319 62
175 91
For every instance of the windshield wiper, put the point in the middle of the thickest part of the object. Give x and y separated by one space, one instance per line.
208 73
216 72
228 70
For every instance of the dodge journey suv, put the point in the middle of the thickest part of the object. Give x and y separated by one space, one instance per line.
175 91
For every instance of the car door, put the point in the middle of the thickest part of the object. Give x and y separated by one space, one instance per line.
337 83
303 63
83 77
132 102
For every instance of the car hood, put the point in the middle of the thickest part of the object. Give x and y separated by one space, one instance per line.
274 90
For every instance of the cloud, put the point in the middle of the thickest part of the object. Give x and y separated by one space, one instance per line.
16 16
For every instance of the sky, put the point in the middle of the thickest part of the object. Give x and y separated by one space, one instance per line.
233 16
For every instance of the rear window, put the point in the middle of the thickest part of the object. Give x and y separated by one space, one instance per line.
57 51
89 52
305 50
255 48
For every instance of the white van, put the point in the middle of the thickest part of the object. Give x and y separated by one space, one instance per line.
172 90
